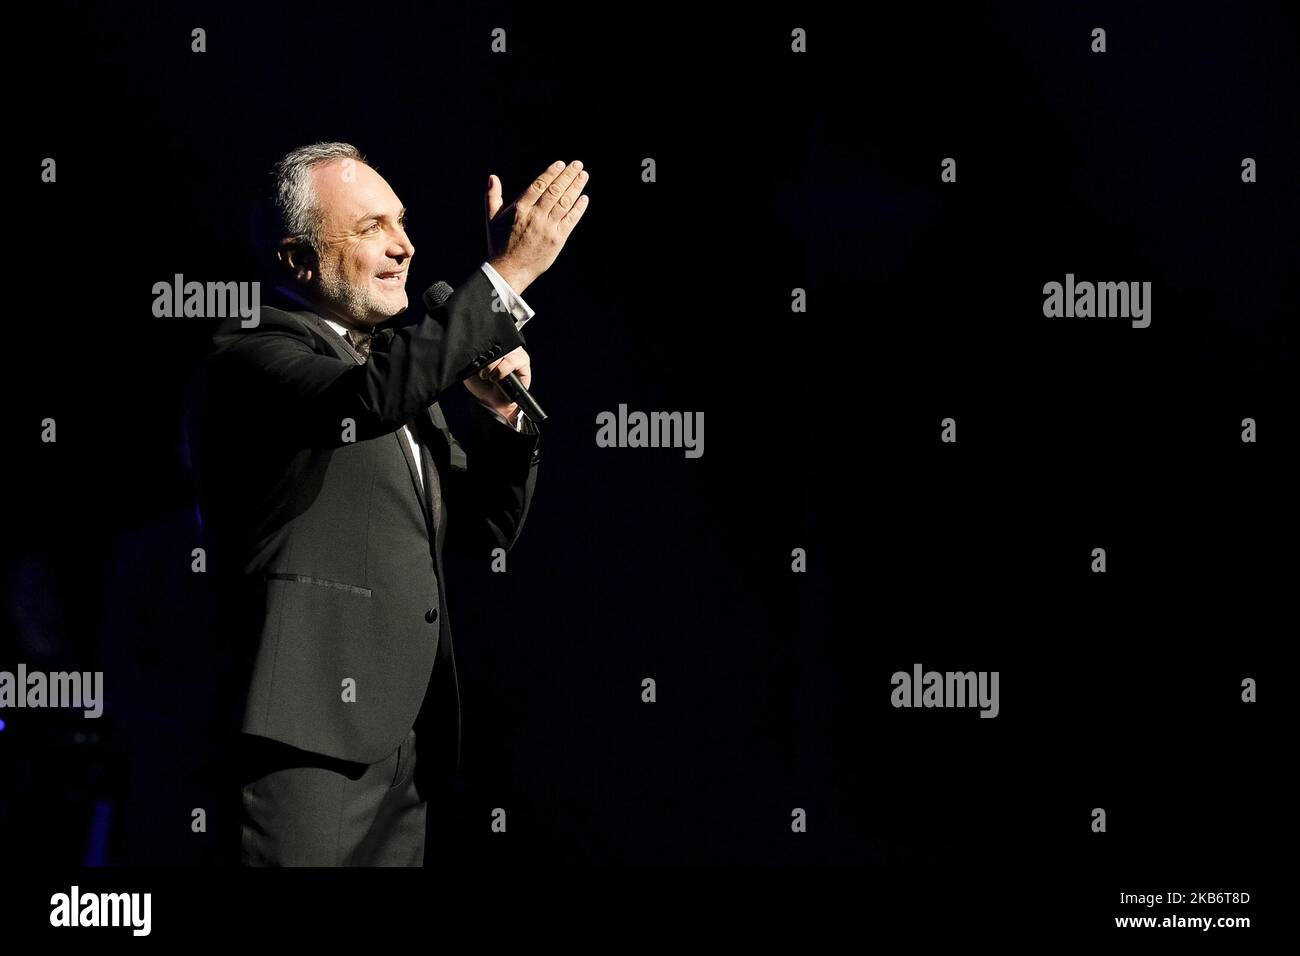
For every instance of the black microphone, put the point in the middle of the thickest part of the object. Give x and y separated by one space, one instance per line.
434 298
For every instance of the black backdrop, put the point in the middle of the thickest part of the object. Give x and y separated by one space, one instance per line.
775 171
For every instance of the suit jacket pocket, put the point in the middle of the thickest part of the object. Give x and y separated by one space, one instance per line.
320 582
331 675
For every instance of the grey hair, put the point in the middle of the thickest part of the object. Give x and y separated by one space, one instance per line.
296 206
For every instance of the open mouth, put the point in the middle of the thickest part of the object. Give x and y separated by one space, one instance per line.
392 279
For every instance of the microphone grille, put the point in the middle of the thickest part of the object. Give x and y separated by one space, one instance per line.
436 295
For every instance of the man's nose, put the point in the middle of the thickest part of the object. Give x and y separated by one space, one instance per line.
402 247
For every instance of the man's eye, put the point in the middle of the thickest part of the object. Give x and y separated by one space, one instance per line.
372 227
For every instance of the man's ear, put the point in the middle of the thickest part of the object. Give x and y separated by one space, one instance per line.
297 258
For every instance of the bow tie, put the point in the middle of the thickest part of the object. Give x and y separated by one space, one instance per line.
362 339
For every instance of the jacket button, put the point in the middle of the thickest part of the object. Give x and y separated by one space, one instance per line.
431 615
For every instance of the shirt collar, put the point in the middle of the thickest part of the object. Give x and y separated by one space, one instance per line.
295 297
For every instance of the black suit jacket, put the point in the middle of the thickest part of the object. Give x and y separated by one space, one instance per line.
327 553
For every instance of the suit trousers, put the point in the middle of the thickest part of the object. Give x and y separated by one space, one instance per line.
305 809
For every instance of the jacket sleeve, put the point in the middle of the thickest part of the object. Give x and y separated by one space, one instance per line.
313 396
489 485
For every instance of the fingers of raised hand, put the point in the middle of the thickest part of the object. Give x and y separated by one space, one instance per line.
537 188
559 186
569 198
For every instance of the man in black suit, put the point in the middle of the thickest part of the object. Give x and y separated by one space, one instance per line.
329 485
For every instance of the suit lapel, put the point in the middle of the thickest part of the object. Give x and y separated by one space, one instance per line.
433 483
421 487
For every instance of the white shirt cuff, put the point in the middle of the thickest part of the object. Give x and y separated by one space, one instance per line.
519 419
513 302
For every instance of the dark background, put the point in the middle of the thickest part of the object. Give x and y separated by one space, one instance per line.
775 171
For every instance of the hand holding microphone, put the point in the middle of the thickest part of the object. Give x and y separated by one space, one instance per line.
510 373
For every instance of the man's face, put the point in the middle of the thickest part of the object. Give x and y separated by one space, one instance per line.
365 252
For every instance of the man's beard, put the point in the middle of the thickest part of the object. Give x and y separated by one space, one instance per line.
359 303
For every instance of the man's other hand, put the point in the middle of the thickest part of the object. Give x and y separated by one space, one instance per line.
525 237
